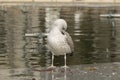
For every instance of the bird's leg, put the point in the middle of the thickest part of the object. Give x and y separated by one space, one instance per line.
65 60
52 65
65 66
52 60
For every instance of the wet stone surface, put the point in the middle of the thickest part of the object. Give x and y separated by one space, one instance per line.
102 71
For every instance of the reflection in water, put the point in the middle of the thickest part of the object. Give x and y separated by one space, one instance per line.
96 39
14 21
3 50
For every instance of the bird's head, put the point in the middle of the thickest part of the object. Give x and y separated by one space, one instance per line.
61 24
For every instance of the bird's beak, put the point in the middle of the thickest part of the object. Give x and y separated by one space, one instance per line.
63 31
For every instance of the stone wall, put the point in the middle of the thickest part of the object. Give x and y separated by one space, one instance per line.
96 1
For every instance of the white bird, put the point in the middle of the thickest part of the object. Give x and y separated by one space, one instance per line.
59 41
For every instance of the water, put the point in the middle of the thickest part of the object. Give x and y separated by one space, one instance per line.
96 39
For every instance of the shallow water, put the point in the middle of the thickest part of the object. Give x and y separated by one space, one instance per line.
96 39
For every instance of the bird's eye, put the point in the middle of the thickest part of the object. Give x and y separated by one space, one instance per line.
64 28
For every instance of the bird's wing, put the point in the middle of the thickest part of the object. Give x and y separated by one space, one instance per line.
69 40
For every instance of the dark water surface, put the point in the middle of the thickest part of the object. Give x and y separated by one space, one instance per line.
96 39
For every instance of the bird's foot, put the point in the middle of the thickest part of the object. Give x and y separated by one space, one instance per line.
51 67
65 67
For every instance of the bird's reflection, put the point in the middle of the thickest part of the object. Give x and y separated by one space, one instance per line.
53 76
63 75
